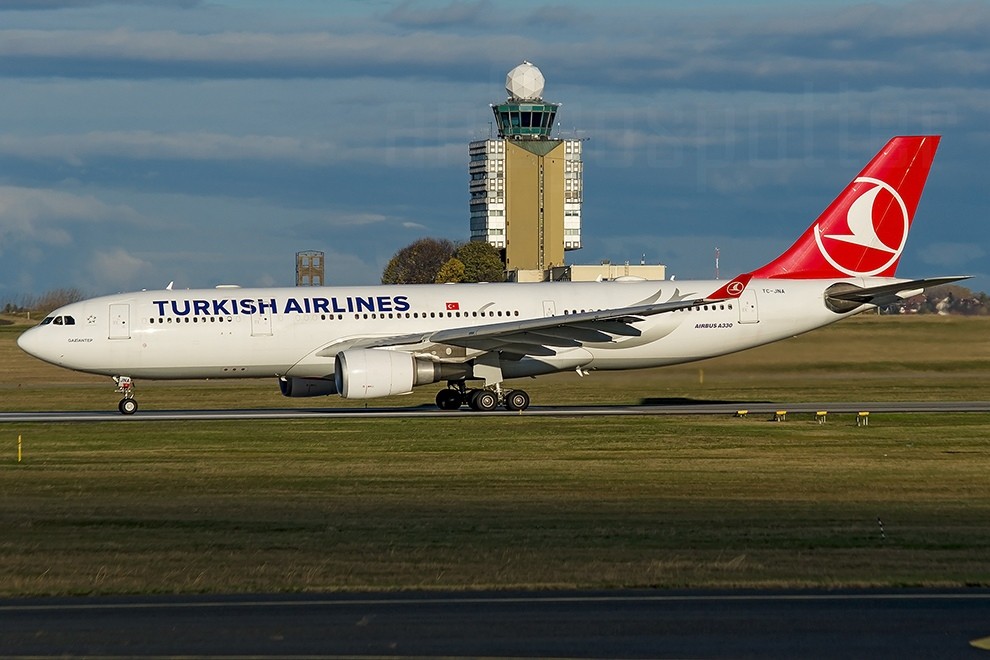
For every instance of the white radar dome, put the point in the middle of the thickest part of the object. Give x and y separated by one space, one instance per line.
525 83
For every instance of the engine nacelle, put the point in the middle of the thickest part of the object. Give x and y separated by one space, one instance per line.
298 387
370 373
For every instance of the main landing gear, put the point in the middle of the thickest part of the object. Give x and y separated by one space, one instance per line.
128 405
483 400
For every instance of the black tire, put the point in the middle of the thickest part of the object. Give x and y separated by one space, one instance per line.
449 399
485 401
516 400
127 406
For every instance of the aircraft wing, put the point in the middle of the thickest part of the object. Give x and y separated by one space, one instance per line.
886 294
539 336
529 336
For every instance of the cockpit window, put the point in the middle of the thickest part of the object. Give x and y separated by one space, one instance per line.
69 320
58 320
48 319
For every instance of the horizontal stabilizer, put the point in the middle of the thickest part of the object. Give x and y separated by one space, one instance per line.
885 294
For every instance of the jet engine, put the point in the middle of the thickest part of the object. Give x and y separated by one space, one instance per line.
370 373
297 387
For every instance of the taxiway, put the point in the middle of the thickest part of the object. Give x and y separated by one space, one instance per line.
628 624
661 407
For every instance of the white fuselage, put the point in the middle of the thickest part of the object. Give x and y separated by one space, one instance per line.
250 333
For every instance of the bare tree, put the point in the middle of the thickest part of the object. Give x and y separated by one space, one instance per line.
47 301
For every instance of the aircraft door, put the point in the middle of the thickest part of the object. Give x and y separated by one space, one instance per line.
748 310
549 309
261 325
120 321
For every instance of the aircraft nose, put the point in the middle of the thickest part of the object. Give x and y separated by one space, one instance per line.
30 342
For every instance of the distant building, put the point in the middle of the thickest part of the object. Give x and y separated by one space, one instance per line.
526 187
310 268
607 271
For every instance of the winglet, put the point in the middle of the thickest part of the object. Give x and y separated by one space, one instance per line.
733 289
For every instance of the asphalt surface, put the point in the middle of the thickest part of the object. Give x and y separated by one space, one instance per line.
626 624
650 407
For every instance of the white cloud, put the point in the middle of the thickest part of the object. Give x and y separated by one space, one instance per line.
632 47
355 219
117 269
80 149
270 52
346 268
49 217
149 145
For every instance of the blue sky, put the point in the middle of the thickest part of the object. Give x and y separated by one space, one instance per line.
206 142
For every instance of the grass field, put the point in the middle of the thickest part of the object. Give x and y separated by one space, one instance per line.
516 501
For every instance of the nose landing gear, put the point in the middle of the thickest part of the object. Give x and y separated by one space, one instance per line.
128 405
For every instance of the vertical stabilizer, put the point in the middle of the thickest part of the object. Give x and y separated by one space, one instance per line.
863 231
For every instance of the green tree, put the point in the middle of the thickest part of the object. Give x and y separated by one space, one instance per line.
451 271
482 262
418 262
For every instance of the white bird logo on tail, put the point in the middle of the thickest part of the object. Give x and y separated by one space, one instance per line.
863 232
860 220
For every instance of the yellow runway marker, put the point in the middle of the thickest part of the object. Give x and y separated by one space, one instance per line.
983 643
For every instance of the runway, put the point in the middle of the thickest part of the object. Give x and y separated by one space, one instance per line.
649 407
627 624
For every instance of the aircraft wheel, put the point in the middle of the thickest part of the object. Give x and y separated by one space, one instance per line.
516 400
484 401
449 399
127 406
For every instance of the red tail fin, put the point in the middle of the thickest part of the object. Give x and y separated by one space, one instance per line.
863 231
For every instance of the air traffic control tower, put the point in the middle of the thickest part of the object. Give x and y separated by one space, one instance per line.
526 187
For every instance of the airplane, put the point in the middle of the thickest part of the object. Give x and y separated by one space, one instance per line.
377 341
